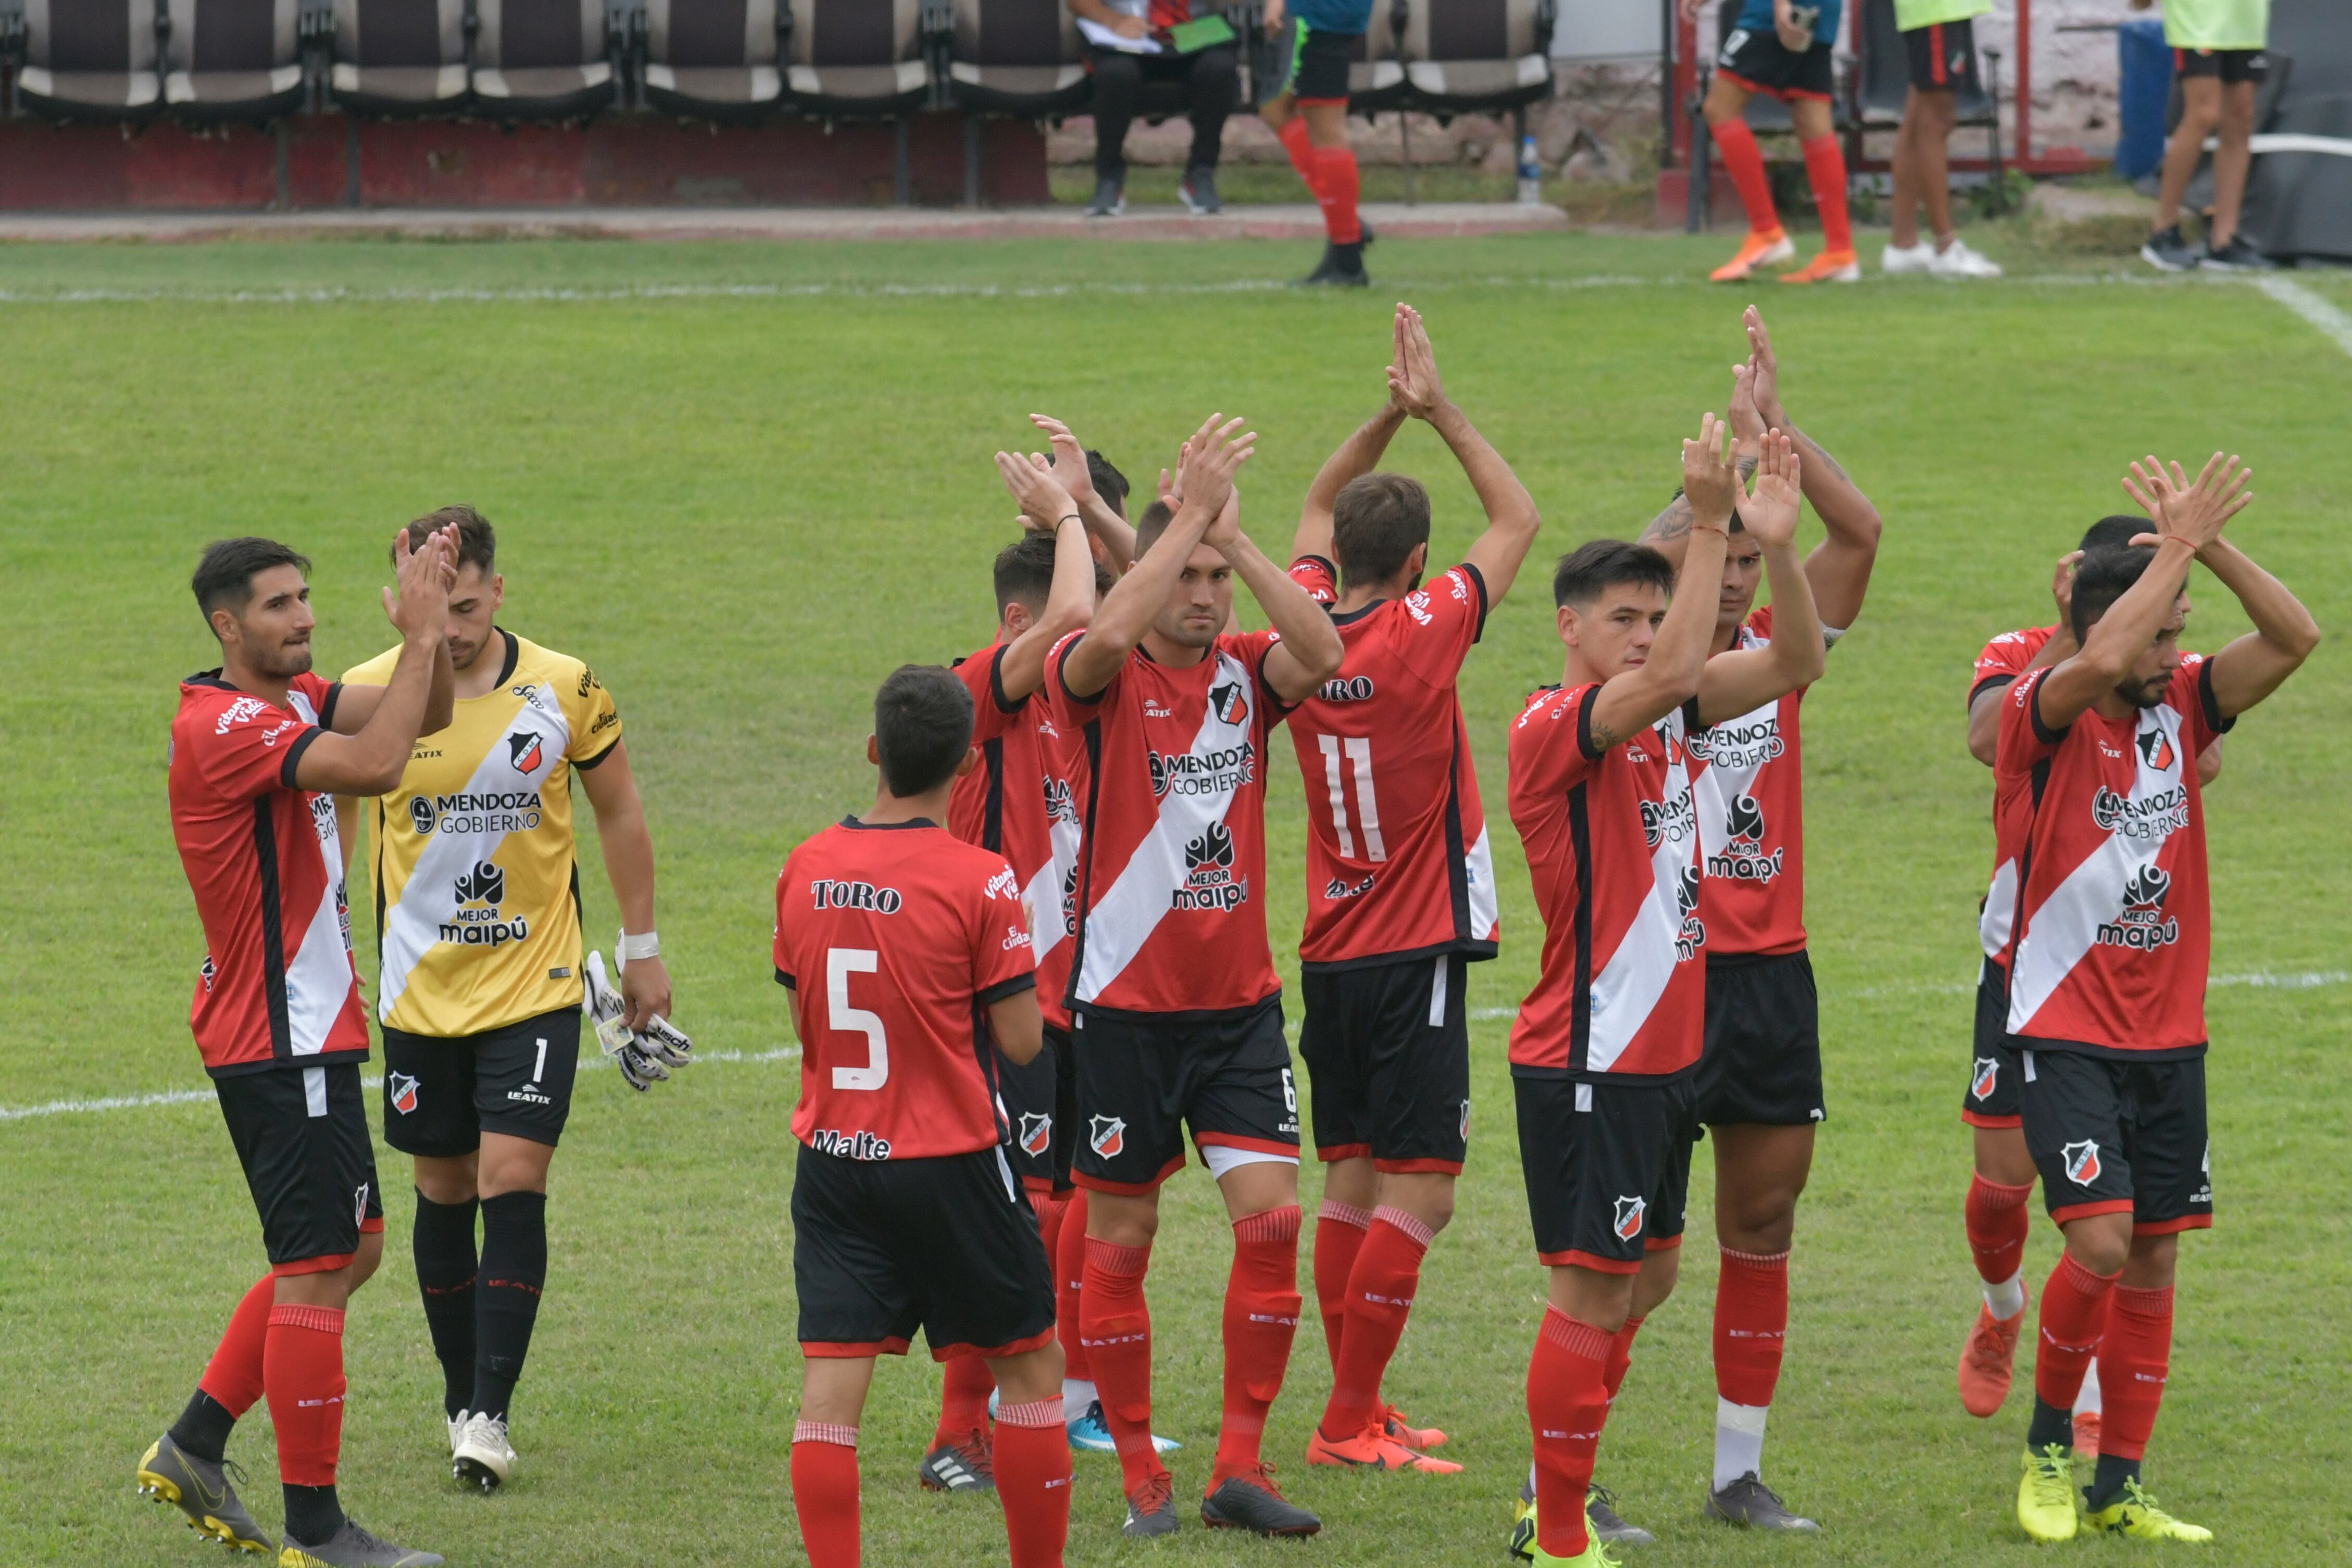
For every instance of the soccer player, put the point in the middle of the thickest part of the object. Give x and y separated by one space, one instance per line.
1605 1048
481 974
1759 1079
2003 1176
258 747
1176 1013
2108 970
1400 884
1781 49
1309 113
2218 52
908 957
1940 38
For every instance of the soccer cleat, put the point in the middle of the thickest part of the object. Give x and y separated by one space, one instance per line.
1110 199
1749 1501
2167 252
1198 191
2236 256
1342 267
1830 267
1525 1549
2086 1433
483 1457
1089 1433
2134 1514
200 1490
1757 250
1373 1450
966 1466
457 1432
1985 1361
1917 256
1153 1511
352 1547
2045 1495
1957 260
1251 1501
1601 1516
1420 1439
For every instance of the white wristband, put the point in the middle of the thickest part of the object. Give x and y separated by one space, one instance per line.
641 945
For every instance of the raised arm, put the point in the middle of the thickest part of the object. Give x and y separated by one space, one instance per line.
1046 507
2252 667
1356 456
628 848
1746 679
1104 526
1511 517
1669 677
1310 649
1984 707
1840 566
370 761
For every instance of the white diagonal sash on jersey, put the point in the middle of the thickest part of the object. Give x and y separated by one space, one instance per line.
1123 920
1999 909
1478 867
1716 785
1628 987
412 928
1044 895
2063 928
318 976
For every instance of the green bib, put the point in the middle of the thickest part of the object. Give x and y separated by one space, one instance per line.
2217 24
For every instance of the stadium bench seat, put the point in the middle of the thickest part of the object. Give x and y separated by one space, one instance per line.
1476 56
86 59
399 57
233 60
858 57
714 58
1376 79
541 60
1016 57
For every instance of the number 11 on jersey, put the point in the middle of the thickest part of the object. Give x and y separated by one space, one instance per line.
1368 810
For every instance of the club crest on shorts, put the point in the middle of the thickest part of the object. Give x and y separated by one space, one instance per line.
1036 1133
2082 1162
1988 1072
1106 1135
1629 1217
404 1092
1465 1121
359 1204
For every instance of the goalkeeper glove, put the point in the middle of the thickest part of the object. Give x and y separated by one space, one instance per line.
606 1010
656 1037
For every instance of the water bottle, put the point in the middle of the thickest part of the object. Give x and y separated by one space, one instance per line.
1531 171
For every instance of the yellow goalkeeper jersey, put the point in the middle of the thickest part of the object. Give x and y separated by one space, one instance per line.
474 869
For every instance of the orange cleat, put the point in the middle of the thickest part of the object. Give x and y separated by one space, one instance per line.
1757 250
1830 267
1399 1430
1373 1450
1985 1361
2086 1433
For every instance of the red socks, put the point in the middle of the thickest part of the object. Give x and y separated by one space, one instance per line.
1744 161
824 1492
1339 1229
963 1400
1069 1259
1033 1479
1826 167
1752 1325
1261 1304
302 1368
1621 1357
2074 1317
1336 183
1116 1328
233 1378
1302 152
1379 1295
1998 1226
2134 1357
1567 1401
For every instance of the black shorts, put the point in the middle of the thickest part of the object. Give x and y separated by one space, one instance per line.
950 1246
2119 1137
2233 65
1607 1168
1317 72
301 1135
440 1095
1996 1067
1142 1081
1388 1063
1762 1064
1943 57
1041 1106
1759 62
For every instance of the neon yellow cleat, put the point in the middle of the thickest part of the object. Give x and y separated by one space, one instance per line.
2134 1514
2045 1495
1523 1547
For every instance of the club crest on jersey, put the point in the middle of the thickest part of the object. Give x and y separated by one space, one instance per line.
2082 1161
401 1091
1988 1073
2155 750
1742 856
1209 882
1106 1135
1036 1134
1228 704
523 751
2142 925
1629 1217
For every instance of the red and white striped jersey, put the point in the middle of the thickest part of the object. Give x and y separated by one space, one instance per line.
1171 863
1749 781
1612 846
2004 659
2115 926
894 937
1398 864
278 988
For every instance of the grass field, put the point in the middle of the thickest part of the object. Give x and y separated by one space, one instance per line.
745 481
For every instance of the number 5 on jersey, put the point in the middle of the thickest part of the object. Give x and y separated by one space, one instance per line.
840 962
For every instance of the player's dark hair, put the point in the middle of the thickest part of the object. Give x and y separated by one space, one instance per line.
2102 577
224 578
1596 566
2115 532
922 728
477 543
1025 573
1108 482
1154 523
1378 521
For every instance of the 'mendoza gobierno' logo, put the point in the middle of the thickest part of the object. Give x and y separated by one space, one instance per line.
2159 816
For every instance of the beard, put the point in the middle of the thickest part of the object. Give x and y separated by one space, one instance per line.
285 661
2145 693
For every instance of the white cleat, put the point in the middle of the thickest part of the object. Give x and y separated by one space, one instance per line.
482 1457
1957 260
457 1432
1918 257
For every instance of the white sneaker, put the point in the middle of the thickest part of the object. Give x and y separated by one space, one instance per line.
483 1457
1959 261
1917 256
456 1431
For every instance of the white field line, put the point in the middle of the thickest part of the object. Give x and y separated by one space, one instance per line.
2332 321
